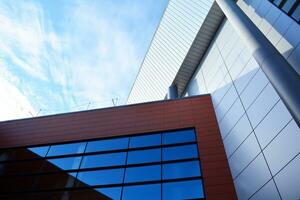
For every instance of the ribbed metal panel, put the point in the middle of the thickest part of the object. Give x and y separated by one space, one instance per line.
171 43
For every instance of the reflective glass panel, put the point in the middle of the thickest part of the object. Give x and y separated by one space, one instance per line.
41 151
288 5
180 152
112 193
101 177
145 140
64 149
183 190
66 163
296 13
107 145
103 160
145 192
180 136
181 170
144 156
146 173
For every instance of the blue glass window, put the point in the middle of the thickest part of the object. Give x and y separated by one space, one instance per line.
66 163
181 170
101 177
107 145
103 160
296 14
146 173
112 193
183 190
288 5
65 149
145 140
180 152
145 192
144 156
41 151
180 136
166 165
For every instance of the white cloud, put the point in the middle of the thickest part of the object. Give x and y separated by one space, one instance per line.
90 57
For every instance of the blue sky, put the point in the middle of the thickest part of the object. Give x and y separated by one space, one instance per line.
66 55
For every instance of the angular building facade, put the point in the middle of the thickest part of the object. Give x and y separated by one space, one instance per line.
160 150
245 54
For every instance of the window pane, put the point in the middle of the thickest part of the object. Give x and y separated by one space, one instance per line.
101 177
296 13
41 151
181 170
112 193
179 136
183 190
277 2
102 160
145 140
147 173
64 149
144 192
19 154
66 163
143 156
107 145
288 5
180 152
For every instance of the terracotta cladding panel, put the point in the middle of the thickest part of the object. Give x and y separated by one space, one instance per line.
195 112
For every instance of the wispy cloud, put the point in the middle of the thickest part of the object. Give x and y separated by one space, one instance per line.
56 57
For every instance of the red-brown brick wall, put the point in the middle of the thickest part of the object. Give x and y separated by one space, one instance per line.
195 112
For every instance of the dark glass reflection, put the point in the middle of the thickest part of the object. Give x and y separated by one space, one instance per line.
101 177
41 151
157 168
112 193
103 160
66 163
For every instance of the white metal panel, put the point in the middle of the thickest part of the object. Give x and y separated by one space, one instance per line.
177 31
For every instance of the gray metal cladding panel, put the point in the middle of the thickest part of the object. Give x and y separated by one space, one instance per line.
177 30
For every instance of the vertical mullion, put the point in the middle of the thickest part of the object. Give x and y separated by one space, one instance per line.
122 189
81 159
293 8
35 181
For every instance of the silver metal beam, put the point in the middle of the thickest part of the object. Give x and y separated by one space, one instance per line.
173 92
280 73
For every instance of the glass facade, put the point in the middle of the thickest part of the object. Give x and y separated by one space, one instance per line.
162 165
290 7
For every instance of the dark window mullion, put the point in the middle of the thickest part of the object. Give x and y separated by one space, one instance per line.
294 7
122 189
282 3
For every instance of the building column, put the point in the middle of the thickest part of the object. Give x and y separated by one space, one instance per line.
280 73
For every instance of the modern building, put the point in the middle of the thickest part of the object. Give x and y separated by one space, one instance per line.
215 115
160 150
246 55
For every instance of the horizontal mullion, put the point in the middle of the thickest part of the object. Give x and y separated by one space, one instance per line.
101 152
104 167
110 185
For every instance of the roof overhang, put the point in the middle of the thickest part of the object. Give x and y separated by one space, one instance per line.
198 48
